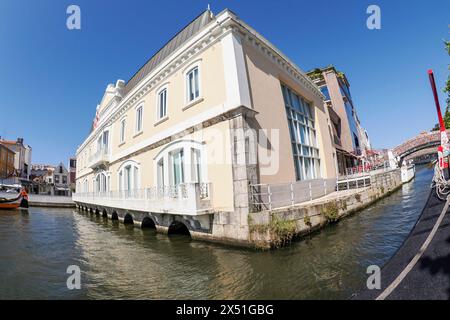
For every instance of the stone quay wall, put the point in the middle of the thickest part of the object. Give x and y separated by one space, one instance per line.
271 229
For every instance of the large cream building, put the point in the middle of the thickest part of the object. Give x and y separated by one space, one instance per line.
215 112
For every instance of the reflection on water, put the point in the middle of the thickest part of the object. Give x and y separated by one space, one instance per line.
123 262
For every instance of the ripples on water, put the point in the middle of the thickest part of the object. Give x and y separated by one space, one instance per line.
122 262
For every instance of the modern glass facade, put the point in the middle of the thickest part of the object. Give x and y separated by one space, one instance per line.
325 92
303 135
350 116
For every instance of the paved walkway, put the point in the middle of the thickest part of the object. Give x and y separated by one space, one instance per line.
37 200
429 278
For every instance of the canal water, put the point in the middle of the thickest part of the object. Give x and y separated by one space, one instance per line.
125 262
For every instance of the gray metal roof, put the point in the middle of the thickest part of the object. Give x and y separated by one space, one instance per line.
177 41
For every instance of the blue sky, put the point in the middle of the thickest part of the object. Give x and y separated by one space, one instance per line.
51 79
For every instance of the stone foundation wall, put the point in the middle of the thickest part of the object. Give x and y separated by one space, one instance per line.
269 229
266 229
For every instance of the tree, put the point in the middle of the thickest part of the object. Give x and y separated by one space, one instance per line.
446 90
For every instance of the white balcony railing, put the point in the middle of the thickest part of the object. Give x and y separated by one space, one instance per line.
101 157
186 199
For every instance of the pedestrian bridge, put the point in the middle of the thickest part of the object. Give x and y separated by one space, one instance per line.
425 140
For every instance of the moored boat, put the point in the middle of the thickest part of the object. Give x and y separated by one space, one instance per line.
13 203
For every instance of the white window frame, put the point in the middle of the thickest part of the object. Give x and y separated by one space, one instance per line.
122 130
159 116
137 120
104 184
186 72
196 81
187 146
135 181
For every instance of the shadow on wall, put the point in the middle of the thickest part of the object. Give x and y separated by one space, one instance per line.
148 223
178 228
440 264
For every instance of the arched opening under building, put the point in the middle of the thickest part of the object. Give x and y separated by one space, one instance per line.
105 213
178 228
128 219
97 212
148 223
114 216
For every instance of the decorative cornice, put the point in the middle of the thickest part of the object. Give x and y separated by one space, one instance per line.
155 78
272 53
224 23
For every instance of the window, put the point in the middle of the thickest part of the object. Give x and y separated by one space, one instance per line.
64 179
160 173
129 176
196 166
177 167
193 87
303 135
139 112
179 163
105 141
162 104
122 130
56 179
100 182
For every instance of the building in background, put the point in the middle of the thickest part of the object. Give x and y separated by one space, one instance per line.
50 180
61 179
349 137
22 161
42 179
216 110
72 173
7 169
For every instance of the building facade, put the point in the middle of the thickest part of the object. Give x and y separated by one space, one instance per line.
215 112
350 139
50 180
6 163
72 173
22 161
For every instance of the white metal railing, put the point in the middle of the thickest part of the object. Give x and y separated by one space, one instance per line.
271 196
365 169
187 198
101 156
354 182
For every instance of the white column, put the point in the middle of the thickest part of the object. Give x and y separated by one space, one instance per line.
236 81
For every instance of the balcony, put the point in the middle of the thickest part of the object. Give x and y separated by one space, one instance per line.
185 199
99 159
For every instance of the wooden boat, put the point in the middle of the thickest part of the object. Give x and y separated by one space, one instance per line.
20 201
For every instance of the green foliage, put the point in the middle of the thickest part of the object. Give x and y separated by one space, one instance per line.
282 230
307 221
331 212
315 74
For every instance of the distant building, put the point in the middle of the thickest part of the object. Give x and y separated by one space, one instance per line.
72 173
61 180
22 161
350 139
6 163
42 179
50 180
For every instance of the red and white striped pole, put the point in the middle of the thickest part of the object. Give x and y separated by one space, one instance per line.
444 149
